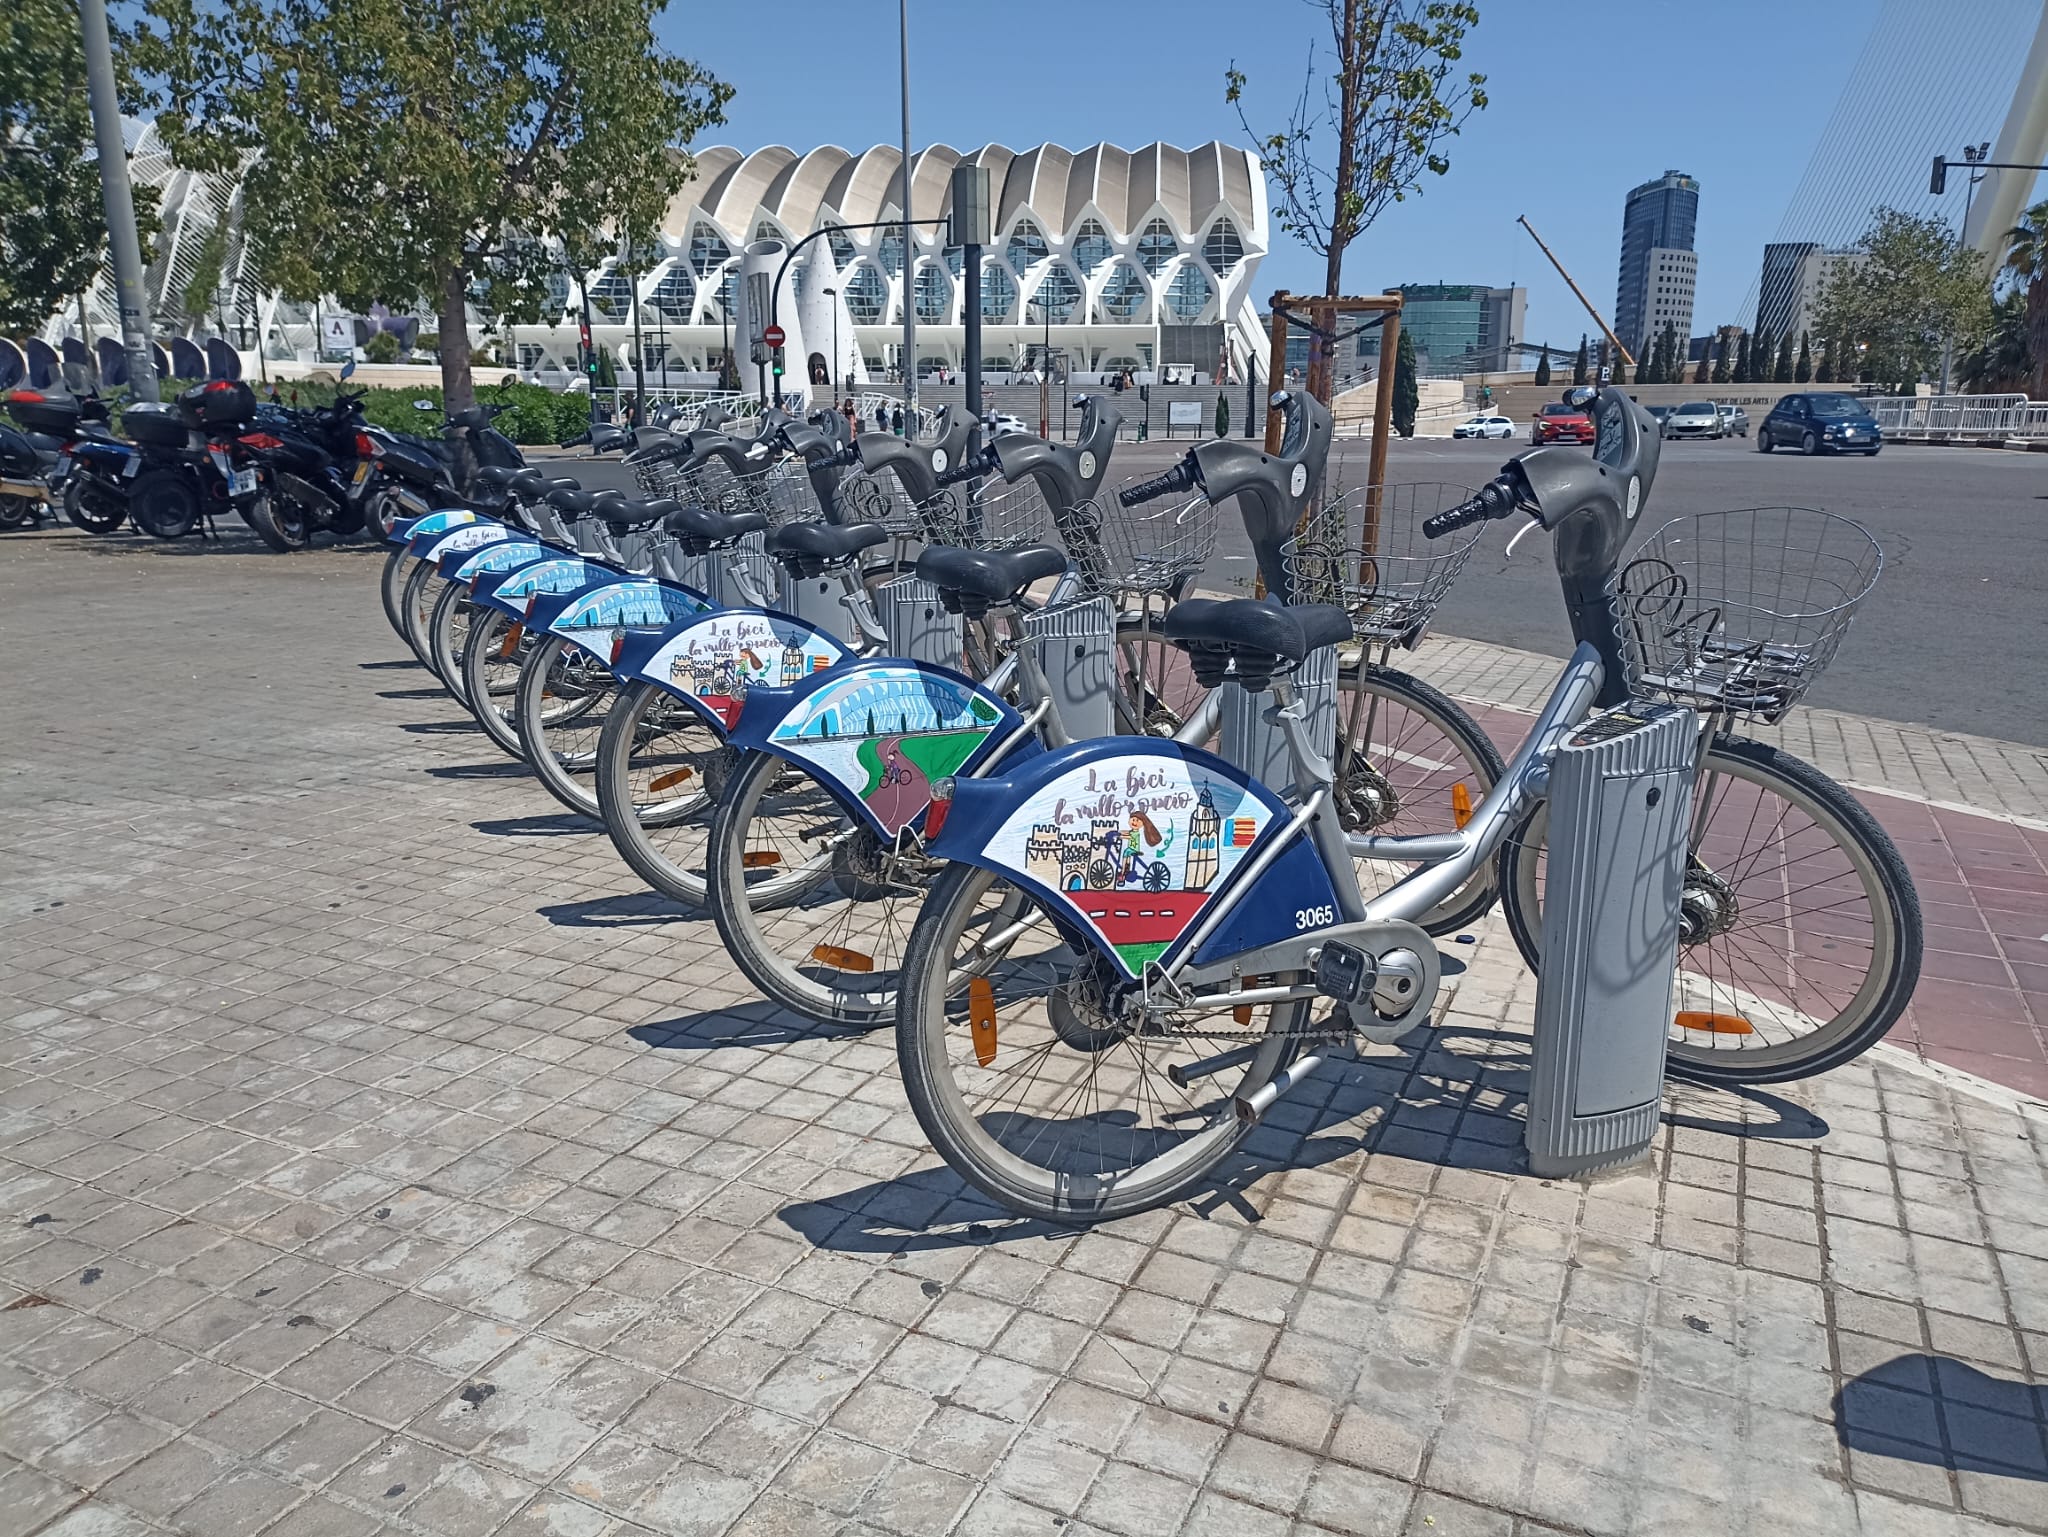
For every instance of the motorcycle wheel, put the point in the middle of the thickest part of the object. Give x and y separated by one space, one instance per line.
18 512
283 533
380 514
85 517
164 503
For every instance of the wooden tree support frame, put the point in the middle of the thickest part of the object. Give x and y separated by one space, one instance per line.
1318 315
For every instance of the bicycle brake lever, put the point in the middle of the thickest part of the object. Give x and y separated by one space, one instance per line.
1524 529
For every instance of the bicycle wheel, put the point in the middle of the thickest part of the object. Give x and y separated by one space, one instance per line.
391 586
564 696
448 629
814 908
491 662
1799 927
416 611
659 771
1034 1090
1155 687
1411 762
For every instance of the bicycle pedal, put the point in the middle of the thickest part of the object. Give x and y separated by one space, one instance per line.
1344 972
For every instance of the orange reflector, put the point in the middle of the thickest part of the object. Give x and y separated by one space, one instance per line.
1715 1024
670 780
1243 1012
760 860
843 960
618 645
1461 804
981 1016
511 641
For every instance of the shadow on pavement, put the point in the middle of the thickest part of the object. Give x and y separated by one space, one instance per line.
389 666
750 1024
639 910
441 727
1947 1414
411 693
504 768
560 824
1728 1112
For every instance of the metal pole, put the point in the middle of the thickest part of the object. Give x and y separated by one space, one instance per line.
639 356
1251 394
1276 365
832 372
119 198
1382 428
909 250
1045 368
970 316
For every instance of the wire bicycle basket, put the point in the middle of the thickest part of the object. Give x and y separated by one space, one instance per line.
1391 582
1151 550
1740 611
867 498
994 515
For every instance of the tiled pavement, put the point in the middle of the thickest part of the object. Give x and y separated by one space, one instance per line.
372 1157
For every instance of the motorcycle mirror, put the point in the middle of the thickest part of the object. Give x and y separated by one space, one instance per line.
348 369
424 405
1580 396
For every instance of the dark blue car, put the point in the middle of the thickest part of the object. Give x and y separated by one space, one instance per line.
1816 424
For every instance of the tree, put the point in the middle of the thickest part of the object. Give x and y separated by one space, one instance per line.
2004 364
209 270
1781 371
1803 369
1619 367
1719 347
1825 374
1741 374
1916 290
53 226
1704 372
1363 134
1580 363
2026 263
1672 370
1222 415
425 153
1407 394
1543 365
382 347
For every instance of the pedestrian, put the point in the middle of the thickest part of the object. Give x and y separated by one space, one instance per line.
852 421
896 421
881 418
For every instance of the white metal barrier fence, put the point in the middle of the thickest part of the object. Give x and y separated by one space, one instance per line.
1969 418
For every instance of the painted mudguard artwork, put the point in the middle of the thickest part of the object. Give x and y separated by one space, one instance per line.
514 593
1134 845
882 732
432 523
598 620
467 536
715 660
506 555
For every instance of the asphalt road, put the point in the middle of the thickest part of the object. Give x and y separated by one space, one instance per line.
1953 637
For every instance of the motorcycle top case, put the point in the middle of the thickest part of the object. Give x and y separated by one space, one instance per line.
432 523
44 411
155 426
1132 845
714 661
219 403
878 734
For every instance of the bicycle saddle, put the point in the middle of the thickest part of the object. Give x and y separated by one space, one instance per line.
572 499
499 476
527 483
1250 639
809 548
637 513
700 528
969 581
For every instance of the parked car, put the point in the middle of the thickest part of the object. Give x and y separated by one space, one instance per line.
1694 419
1734 421
1660 412
1004 421
1485 425
1557 423
1820 424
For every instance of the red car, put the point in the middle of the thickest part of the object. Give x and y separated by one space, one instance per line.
1558 423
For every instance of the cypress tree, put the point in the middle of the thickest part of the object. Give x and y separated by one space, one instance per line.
1543 365
1803 370
1825 374
1620 368
1718 345
1581 362
1782 372
1699 375
1407 393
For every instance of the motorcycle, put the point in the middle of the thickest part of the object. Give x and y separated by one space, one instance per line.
24 494
416 475
89 470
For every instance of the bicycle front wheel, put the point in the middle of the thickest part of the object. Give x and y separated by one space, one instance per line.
391 587
564 696
497 650
448 630
815 909
659 769
416 611
1800 929
1038 1088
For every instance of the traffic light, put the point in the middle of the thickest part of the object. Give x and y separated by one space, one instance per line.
1145 393
589 352
777 365
1938 182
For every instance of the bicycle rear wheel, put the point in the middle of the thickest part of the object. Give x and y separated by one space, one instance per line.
498 648
1800 927
564 696
391 587
1038 1092
416 611
448 630
659 771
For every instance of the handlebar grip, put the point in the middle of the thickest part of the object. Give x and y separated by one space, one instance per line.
968 468
845 459
1496 500
1179 478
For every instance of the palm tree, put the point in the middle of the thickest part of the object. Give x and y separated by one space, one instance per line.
2004 362
2026 261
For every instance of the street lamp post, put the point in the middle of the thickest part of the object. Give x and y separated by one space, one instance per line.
909 250
832 369
118 197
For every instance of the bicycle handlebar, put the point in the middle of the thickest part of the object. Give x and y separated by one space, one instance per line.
968 468
845 459
1180 478
1500 497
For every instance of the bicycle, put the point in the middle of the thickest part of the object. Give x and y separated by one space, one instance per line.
1064 1046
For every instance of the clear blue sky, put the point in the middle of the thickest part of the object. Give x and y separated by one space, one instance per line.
1587 100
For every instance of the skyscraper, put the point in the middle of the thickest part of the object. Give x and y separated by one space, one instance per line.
1658 267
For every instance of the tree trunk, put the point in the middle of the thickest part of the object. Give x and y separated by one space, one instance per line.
458 392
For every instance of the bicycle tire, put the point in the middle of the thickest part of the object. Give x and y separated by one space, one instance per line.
636 826
415 606
1897 938
544 734
390 584
924 1034
490 674
448 638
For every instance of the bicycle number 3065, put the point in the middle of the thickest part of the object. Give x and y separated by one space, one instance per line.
1314 917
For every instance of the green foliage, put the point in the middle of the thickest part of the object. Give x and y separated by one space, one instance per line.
53 227
2026 261
607 370
1370 120
461 135
1543 365
1916 289
1825 374
2004 364
1407 393
538 415
1581 364
1617 368
1803 369
1222 415
1781 372
1741 374
209 272
1701 374
382 347
1721 374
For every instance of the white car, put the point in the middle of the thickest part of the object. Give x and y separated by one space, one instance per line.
1003 421
1484 425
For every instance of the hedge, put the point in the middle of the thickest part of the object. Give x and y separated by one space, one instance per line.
538 415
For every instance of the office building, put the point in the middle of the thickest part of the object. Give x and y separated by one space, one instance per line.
1658 268
1795 275
1458 327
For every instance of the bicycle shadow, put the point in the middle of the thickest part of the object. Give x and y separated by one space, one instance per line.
635 910
1945 1413
410 661
502 769
560 824
748 1024
464 727
413 694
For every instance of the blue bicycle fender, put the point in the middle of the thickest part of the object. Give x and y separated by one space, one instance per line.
1132 842
599 618
713 661
432 523
505 555
878 733
464 536
513 592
